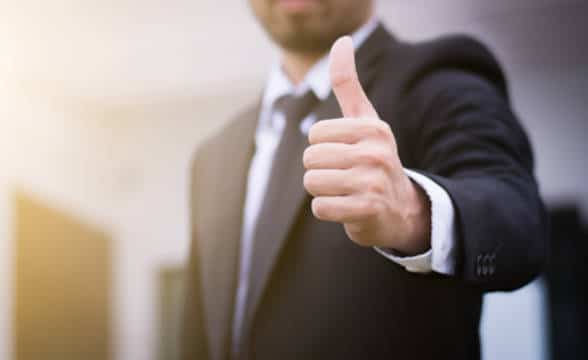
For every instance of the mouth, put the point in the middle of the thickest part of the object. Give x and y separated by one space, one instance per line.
297 6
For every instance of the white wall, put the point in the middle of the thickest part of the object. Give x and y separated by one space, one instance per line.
102 103
5 274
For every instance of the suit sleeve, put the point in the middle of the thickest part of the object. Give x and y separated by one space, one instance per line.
471 144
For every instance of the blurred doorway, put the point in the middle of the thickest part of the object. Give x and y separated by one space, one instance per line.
62 285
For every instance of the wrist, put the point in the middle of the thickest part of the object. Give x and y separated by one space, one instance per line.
418 222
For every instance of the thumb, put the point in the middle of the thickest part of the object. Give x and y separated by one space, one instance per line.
345 83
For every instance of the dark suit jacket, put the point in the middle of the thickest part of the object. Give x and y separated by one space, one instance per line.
323 297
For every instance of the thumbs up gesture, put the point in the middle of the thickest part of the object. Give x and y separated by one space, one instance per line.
354 172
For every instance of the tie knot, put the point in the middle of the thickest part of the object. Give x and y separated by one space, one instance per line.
296 108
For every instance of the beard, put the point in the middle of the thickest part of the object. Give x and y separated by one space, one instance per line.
301 37
310 32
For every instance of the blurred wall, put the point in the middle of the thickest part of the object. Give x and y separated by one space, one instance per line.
103 102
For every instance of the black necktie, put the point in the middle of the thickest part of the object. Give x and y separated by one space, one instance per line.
287 172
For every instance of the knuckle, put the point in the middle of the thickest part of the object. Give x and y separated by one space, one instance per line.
374 156
384 129
349 137
342 78
370 207
348 184
363 182
367 129
375 185
377 129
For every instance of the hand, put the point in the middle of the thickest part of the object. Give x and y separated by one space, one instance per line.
355 174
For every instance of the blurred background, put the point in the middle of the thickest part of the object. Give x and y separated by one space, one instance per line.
103 102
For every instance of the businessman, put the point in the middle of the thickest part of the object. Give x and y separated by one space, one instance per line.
365 204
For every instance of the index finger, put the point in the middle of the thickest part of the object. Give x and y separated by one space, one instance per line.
345 130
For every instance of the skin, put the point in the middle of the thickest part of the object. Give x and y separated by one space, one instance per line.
306 31
353 169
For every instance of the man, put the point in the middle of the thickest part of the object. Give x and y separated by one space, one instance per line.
360 215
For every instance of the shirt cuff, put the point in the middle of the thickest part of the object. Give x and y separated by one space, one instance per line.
441 257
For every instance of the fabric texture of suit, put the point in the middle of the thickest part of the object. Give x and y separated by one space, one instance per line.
325 297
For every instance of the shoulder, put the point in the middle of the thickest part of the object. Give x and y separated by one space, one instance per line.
449 71
455 55
454 49
214 145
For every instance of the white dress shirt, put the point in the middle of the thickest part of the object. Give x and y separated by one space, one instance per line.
440 258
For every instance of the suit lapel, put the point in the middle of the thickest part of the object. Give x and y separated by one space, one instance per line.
223 176
296 195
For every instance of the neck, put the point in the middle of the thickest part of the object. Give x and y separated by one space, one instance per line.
297 65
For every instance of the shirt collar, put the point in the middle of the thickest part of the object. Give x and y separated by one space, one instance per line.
317 79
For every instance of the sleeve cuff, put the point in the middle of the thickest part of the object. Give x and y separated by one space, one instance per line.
441 257
417 264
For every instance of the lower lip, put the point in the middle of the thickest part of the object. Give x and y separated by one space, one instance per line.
297 5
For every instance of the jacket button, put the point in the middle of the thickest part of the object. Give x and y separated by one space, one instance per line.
479 265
